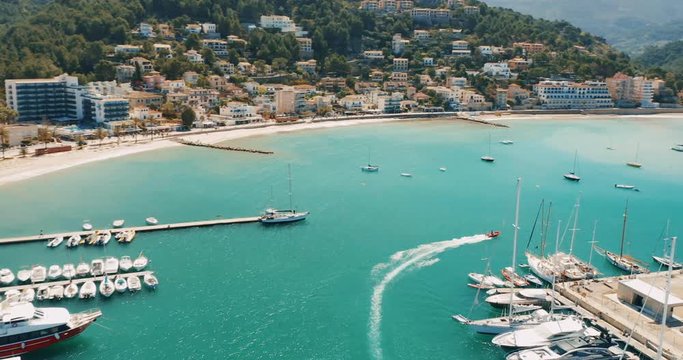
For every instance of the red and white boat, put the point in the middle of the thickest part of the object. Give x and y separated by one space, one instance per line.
25 328
493 234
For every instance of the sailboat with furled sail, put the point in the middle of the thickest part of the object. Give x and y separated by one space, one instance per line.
272 216
635 162
621 261
572 176
370 167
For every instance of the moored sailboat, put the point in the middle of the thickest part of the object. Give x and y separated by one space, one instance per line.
272 216
488 157
572 176
621 261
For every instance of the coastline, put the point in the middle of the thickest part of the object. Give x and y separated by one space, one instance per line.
17 168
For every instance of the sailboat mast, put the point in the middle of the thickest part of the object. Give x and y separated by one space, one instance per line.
289 168
590 257
576 219
544 238
514 240
666 299
576 153
557 236
623 231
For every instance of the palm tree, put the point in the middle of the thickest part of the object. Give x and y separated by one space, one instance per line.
137 123
100 133
44 135
117 133
4 139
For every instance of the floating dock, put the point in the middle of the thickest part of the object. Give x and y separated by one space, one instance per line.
138 229
76 281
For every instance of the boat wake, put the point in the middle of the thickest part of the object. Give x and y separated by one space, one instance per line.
418 257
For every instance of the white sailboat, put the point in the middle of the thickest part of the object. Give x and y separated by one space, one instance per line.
273 216
6 276
572 176
120 284
621 261
82 269
570 267
70 291
370 167
635 162
544 334
488 157
665 260
106 287
140 262
111 265
88 290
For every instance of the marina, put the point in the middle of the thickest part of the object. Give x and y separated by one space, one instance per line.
77 281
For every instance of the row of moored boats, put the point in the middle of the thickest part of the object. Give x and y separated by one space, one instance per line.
98 237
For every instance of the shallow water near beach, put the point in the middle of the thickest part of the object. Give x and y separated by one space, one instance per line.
379 266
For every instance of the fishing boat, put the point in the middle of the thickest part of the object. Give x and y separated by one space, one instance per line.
572 176
88 290
140 262
73 240
488 157
624 186
272 216
24 275
28 294
493 234
6 276
120 284
585 347
56 292
68 271
106 287
97 267
125 263
70 291
54 272
87 226
150 281
507 142
38 274
43 293
55 242
83 269
118 223
621 261
111 265
678 147
151 221
134 283
545 333
516 279
635 162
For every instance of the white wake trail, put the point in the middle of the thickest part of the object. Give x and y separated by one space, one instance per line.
420 256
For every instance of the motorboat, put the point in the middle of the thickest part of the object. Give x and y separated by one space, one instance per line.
74 240
516 279
118 223
93 238
71 290
576 348
493 234
12 293
88 290
54 272
665 262
56 292
125 263
34 328
68 271
83 269
532 279
111 265
38 274
106 287
486 280
6 276
678 147
442 169
125 236
55 242
28 294
87 226
406 174
43 293
134 283
520 297
507 142
140 262
151 221
104 238
624 186
150 281
503 324
97 267
24 275
544 333
370 168
120 284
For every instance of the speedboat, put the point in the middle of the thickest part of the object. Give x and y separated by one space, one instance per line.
370 168
6 276
28 294
666 261
271 216
624 186
54 272
134 283
492 234
55 242
151 221
125 263
545 333
73 240
118 223
38 274
111 265
406 174
83 269
520 297
87 226
120 284
106 287
103 238
150 280
68 271
575 348
533 279
678 147
43 293
97 267
140 263
88 290
70 291
503 324
56 292
24 275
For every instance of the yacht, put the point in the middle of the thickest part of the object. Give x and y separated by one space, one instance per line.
520 297
6 276
544 333
507 142
624 186
38 274
134 283
111 265
24 275
54 272
272 216
516 279
370 168
664 261
533 279
151 281
83 269
97 267
503 324
487 280
125 263
43 293
68 271
140 263
28 328
70 291
576 348
88 290
406 174
488 157
104 237
106 287
678 147
120 284
55 242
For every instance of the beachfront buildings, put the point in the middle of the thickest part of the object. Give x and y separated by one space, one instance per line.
570 95
628 91
236 113
41 99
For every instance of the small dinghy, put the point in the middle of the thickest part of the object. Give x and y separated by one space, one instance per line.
150 281
6 276
38 274
125 263
120 284
68 271
83 269
88 290
442 169
106 287
24 275
57 292
151 220
111 265
118 223
54 272
55 242
97 267
134 283
406 174
43 293
140 263
623 186
70 291
87 226
73 241
28 295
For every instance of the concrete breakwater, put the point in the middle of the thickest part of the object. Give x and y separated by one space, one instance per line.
221 147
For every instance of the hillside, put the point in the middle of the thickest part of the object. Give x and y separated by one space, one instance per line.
668 57
75 36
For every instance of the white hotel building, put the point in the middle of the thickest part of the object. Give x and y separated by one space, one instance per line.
569 95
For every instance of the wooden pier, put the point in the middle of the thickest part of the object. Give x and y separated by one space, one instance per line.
138 229
76 281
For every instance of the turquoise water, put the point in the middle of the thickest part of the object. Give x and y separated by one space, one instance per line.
338 286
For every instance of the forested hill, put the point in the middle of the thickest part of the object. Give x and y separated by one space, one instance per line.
668 57
75 35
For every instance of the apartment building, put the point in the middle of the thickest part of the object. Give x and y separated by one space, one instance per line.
38 99
570 95
219 47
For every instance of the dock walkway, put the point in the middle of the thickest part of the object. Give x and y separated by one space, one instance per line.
74 280
138 229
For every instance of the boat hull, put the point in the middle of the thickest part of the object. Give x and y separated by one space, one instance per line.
24 347
284 218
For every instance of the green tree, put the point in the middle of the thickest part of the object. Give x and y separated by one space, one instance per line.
44 135
101 134
188 117
193 42
337 64
168 110
4 139
104 71
7 115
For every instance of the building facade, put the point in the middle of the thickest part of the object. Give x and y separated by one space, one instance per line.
39 99
569 95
